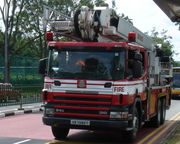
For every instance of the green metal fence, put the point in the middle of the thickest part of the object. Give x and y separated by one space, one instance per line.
23 71
26 81
24 95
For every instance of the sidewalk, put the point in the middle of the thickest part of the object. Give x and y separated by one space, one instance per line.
17 109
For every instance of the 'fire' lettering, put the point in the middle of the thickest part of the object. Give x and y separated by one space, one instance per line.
118 89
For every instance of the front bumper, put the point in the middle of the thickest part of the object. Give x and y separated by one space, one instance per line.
94 124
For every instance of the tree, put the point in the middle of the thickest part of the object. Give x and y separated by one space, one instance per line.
165 40
126 18
19 33
176 63
100 3
34 10
83 3
25 32
122 15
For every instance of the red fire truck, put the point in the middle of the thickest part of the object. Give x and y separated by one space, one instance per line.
110 78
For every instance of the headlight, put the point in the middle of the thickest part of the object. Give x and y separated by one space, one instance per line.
119 115
115 115
49 111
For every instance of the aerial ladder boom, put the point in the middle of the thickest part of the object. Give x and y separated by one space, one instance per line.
100 24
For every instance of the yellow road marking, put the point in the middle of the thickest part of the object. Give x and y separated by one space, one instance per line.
159 134
55 142
148 136
69 142
79 143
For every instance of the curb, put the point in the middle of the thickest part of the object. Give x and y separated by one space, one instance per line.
20 112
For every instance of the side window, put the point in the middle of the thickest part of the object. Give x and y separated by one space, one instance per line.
135 63
118 65
130 62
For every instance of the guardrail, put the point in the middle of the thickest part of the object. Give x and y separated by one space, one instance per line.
19 95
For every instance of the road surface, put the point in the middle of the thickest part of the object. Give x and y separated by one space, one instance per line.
29 129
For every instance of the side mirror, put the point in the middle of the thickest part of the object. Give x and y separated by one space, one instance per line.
42 66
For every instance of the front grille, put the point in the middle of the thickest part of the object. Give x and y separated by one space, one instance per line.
82 99
82 105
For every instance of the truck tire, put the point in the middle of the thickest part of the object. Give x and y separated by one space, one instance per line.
60 132
163 110
130 136
157 119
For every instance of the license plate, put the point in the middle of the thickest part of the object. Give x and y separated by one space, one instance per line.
80 122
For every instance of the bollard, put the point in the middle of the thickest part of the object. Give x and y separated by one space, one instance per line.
21 103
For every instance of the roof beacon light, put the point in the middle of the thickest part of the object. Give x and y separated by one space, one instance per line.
132 37
49 36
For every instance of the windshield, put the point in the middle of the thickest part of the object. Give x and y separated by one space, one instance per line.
87 64
176 80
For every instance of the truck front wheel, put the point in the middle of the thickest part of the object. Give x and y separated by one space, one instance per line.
60 132
130 136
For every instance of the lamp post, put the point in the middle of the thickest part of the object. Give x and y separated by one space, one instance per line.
5 44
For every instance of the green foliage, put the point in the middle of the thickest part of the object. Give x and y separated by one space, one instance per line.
34 10
101 3
21 32
25 27
122 15
83 3
63 39
176 63
126 18
63 6
165 40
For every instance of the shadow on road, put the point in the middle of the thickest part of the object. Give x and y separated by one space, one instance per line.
104 137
